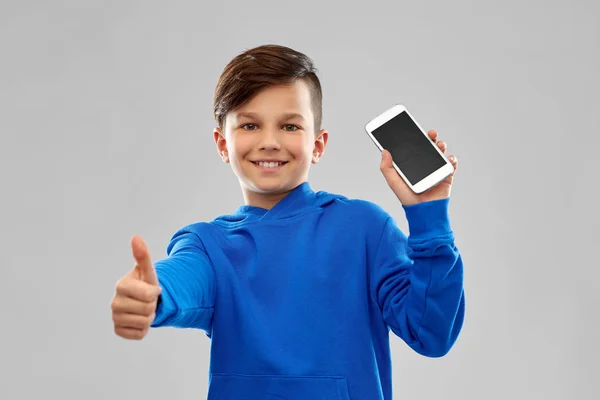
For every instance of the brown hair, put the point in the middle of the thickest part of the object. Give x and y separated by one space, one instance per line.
260 67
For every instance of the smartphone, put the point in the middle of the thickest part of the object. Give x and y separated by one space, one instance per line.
416 158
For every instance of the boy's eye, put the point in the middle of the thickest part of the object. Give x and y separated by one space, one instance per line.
245 125
294 127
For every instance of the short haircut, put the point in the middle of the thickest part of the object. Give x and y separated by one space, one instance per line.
258 68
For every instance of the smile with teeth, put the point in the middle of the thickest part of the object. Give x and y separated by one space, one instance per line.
269 164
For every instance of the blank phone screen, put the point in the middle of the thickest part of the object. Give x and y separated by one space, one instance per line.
411 151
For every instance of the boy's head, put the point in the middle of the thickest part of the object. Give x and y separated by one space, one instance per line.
268 108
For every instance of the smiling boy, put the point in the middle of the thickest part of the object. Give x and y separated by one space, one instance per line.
298 290
271 141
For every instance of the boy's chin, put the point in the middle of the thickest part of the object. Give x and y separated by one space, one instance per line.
269 188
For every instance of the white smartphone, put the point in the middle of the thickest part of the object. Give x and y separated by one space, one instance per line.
416 158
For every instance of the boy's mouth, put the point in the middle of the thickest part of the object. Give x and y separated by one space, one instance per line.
269 164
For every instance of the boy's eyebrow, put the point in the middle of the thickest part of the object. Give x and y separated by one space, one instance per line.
285 116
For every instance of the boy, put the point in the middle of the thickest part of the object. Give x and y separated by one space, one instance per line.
297 289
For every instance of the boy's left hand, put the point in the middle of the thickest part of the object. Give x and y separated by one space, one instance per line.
406 196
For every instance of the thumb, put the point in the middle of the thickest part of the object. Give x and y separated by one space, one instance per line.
145 268
386 159
387 168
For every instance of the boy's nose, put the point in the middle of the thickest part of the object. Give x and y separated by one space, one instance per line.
269 141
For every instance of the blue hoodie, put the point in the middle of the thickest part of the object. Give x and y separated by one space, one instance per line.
299 300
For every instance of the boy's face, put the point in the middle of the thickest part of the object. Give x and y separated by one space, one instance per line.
271 143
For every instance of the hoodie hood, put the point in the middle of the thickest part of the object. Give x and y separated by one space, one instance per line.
298 201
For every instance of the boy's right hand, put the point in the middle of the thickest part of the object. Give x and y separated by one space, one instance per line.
134 303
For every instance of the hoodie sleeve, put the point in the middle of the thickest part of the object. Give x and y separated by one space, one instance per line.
188 284
418 280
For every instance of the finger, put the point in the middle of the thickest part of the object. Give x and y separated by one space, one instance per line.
387 167
133 320
127 305
433 135
454 161
144 263
442 145
386 159
131 333
138 290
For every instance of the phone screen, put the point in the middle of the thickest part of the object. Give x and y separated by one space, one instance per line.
411 151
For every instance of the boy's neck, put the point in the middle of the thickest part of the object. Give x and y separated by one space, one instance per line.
263 200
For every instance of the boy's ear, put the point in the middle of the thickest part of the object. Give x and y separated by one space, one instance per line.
320 144
221 144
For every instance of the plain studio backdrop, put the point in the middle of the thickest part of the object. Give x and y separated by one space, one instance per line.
107 132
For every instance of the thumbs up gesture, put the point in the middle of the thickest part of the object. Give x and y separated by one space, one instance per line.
134 303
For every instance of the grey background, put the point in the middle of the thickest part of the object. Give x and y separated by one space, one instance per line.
107 132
